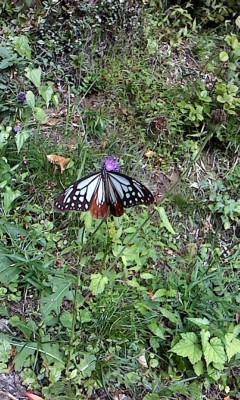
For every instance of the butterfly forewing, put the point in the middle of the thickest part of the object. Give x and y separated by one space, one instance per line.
127 190
79 195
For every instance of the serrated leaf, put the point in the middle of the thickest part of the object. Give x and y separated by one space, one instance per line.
53 302
188 347
20 139
214 351
165 220
98 283
232 345
156 330
35 76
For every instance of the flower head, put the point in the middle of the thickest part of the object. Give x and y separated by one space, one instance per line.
112 164
17 128
21 97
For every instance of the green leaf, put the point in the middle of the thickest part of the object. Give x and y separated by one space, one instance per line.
199 368
165 220
54 301
39 114
20 139
87 365
24 351
189 347
30 98
232 345
22 46
66 319
201 322
156 330
34 75
214 351
46 93
9 197
98 283
170 315
147 275
223 56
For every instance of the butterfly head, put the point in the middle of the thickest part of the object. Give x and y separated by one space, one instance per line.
111 164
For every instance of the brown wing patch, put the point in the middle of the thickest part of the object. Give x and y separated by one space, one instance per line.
98 211
117 210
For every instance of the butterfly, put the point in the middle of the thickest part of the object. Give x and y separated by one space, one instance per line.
103 192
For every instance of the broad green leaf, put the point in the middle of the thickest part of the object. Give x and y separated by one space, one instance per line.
232 345
66 319
35 76
30 98
39 114
20 139
201 322
98 283
46 92
170 315
165 220
147 275
22 46
199 368
214 351
189 347
223 56
87 365
9 197
156 330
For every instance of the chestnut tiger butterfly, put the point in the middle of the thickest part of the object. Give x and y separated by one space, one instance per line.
103 192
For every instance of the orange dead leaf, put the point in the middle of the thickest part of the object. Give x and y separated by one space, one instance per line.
32 396
227 398
58 160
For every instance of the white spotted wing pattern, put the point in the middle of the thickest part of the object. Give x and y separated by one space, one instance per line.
103 192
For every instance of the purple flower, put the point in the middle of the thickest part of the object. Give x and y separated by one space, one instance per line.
21 97
112 164
17 128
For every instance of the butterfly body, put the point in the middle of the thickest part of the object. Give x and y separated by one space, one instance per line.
103 192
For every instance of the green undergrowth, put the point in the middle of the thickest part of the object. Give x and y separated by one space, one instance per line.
144 306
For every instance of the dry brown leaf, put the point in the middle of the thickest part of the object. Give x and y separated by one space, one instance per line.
227 398
58 160
150 153
142 360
